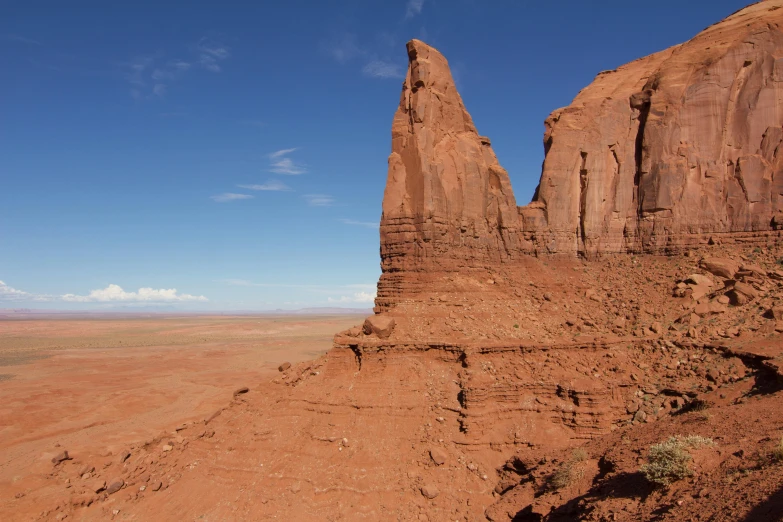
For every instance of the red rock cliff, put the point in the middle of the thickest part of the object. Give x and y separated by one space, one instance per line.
655 156
670 149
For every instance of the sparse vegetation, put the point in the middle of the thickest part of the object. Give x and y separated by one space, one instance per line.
569 471
777 452
669 460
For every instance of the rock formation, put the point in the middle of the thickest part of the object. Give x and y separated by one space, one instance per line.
661 154
448 203
670 149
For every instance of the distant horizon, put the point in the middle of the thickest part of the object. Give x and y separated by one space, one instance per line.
199 157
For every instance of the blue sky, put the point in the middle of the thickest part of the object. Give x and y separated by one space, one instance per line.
232 155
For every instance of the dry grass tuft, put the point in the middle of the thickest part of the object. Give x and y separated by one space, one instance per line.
569 471
668 460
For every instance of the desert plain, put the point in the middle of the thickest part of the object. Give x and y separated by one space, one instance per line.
101 382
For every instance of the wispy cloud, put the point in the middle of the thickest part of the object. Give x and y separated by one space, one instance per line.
281 152
21 39
272 185
342 48
319 200
358 297
382 69
211 54
368 224
150 76
115 293
413 7
280 163
230 196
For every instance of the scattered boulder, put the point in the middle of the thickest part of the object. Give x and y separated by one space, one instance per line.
125 455
380 325
699 280
776 312
157 485
283 367
241 391
741 293
98 486
720 266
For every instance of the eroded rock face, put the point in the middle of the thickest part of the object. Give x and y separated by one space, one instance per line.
670 149
448 203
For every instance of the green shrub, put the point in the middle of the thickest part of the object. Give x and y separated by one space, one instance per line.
669 460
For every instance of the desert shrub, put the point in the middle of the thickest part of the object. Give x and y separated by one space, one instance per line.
668 461
777 452
569 471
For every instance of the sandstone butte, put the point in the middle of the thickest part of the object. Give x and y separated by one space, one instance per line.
658 155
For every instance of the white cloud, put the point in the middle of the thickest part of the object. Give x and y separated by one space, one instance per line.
381 69
272 184
413 8
281 152
159 90
230 196
211 54
319 200
368 224
114 293
358 297
8 293
281 164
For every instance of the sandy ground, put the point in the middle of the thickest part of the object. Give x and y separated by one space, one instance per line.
103 383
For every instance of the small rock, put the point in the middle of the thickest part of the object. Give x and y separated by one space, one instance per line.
157 485
547 297
115 485
283 367
125 455
656 327
438 456
429 491
99 486
63 455
167 447
724 300
240 391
